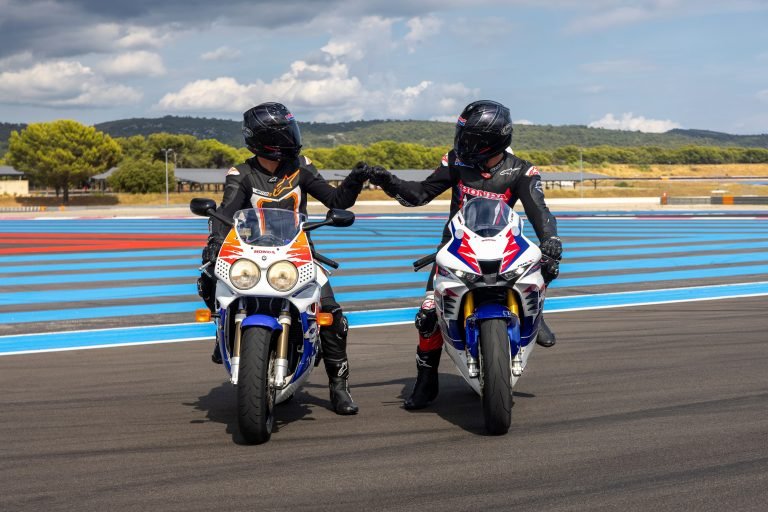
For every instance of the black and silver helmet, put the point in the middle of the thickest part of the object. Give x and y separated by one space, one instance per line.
271 132
484 129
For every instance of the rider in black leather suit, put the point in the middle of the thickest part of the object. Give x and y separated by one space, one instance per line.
278 176
480 165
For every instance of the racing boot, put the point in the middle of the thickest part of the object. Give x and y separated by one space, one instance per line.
216 356
545 337
338 383
427 383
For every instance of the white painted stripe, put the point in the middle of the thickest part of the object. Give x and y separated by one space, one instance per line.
67 349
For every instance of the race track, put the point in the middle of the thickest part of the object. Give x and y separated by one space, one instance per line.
635 409
654 398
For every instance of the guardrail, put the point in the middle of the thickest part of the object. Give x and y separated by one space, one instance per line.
715 200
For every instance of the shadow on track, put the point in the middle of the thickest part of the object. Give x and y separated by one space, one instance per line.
456 403
220 406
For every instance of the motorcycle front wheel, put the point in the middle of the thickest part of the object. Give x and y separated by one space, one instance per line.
255 394
495 376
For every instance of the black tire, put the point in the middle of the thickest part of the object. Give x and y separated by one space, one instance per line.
495 376
255 395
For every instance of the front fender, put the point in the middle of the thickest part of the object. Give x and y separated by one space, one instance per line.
267 321
486 312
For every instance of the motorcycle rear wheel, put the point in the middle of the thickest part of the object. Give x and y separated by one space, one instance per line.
495 376
255 394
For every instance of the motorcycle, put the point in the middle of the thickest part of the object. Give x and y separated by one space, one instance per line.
489 296
268 316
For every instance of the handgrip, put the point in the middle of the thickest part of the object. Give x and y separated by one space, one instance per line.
423 262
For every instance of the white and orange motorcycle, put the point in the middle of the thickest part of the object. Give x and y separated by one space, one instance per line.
268 306
489 295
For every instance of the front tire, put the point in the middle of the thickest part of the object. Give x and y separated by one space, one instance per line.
495 376
255 394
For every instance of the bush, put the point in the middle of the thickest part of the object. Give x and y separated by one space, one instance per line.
140 177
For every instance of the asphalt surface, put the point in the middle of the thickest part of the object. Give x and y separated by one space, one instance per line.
636 409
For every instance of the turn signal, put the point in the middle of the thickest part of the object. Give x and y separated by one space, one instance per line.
324 319
203 315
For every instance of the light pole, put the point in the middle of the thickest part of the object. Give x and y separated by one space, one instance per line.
581 168
166 151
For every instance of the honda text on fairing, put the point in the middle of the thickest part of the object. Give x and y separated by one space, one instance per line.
489 295
268 311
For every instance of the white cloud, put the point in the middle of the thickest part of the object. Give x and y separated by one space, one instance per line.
421 29
222 53
629 122
370 36
145 37
18 60
523 122
763 95
62 83
139 63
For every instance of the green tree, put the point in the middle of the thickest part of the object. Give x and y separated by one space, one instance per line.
62 153
141 176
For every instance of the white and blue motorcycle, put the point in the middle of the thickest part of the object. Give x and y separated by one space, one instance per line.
268 312
489 295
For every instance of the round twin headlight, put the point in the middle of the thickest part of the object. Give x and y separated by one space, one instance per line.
244 274
282 276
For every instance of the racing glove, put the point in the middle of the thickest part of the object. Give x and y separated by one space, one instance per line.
550 269
360 173
381 177
211 250
552 248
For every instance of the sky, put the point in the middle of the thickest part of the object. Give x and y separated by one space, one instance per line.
648 65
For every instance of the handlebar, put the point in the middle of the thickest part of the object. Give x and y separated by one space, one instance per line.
423 262
325 261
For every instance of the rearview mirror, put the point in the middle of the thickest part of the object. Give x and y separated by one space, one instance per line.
340 218
200 206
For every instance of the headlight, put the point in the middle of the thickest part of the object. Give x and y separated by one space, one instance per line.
466 276
515 274
244 274
282 276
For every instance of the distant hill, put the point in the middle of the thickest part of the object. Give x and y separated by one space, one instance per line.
427 133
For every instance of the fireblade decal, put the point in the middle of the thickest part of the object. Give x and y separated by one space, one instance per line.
463 251
230 249
515 247
299 253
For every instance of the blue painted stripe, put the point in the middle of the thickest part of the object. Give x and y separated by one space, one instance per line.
661 276
119 336
139 263
57 315
79 256
97 294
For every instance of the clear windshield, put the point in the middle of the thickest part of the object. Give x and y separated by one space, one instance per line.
486 217
268 227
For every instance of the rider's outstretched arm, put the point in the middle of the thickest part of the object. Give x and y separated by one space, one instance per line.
419 193
343 196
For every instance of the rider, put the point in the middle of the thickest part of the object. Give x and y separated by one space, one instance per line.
278 176
481 164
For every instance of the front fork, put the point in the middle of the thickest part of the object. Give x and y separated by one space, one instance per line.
469 309
281 361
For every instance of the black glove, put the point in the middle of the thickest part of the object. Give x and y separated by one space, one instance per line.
360 173
380 176
211 250
550 269
552 248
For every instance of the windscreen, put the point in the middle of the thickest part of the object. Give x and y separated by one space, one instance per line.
486 217
268 227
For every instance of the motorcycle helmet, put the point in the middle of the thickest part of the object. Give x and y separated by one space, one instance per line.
271 132
484 129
